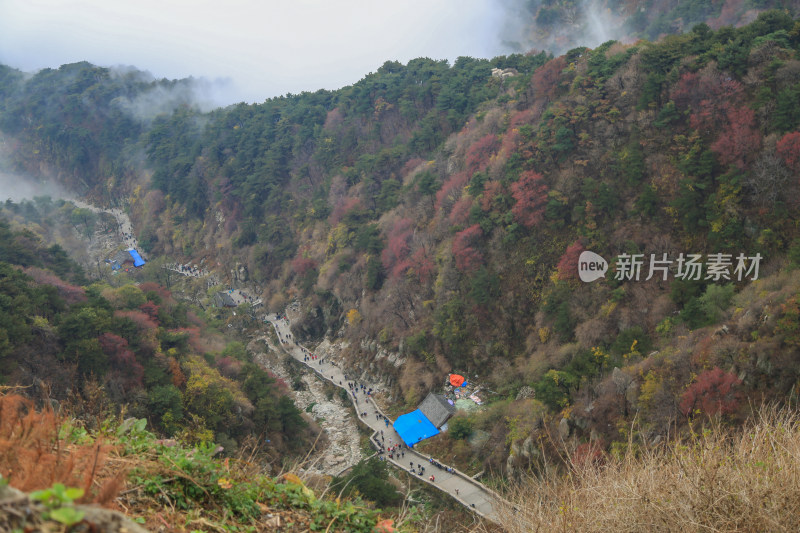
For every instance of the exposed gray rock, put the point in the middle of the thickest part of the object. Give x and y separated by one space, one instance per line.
525 393
344 448
563 429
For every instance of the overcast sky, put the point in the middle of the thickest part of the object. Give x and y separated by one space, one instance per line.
256 49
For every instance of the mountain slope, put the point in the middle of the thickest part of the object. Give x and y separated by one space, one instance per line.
436 213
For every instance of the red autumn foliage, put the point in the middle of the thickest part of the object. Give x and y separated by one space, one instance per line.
702 352
385 526
739 140
111 343
301 265
713 392
460 213
280 384
709 95
520 118
686 93
142 320
398 248
342 207
192 317
421 264
695 87
728 89
788 149
706 117
545 79
151 310
530 192
716 104
511 141
147 327
122 359
229 367
480 153
490 191
467 257
410 165
588 454
568 264
418 264
451 190
71 294
151 286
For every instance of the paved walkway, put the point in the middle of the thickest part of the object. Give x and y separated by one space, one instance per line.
242 296
471 493
124 226
187 270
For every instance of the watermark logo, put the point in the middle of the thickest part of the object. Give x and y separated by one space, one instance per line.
633 267
591 266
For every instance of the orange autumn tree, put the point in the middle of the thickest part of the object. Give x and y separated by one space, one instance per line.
35 454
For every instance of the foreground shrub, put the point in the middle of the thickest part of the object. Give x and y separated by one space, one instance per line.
717 480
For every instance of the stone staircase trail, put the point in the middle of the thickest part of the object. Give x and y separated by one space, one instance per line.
474 495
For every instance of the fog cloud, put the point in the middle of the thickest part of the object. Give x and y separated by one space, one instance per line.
17 188
556 27
199 93
252 49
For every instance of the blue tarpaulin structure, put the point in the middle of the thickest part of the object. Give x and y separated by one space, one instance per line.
414 427
137 259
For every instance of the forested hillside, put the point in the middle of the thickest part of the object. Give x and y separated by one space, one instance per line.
98 349
436 213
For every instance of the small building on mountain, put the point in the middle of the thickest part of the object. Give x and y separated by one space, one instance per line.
414 427
224 299
127 257
425 421
437 409
504 72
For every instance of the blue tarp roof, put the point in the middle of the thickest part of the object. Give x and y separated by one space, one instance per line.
137 259
414 427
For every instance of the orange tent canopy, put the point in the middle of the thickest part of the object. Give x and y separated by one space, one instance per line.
456 380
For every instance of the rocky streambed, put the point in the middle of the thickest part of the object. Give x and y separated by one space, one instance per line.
314 398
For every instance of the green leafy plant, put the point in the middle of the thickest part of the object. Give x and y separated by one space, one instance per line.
69 516
58 499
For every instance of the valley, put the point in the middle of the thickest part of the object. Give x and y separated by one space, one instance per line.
603 243
343 449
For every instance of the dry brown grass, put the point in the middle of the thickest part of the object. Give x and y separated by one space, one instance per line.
718 480
34 456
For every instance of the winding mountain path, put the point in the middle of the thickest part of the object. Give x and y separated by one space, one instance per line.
470 493
124 226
